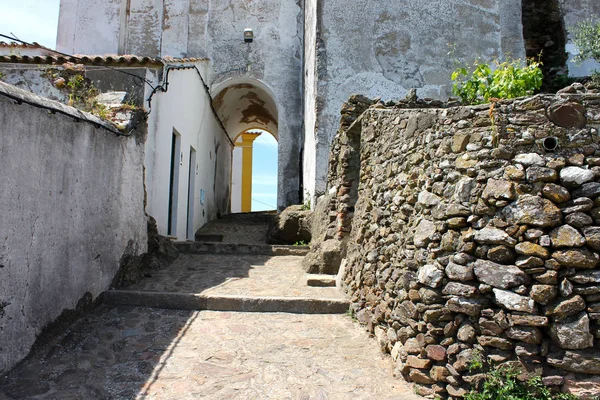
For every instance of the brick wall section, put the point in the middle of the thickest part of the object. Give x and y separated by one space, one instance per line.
468 237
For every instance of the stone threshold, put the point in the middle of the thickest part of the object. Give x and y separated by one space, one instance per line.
194 301
240 249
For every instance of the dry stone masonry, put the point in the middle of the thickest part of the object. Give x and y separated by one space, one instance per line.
475 234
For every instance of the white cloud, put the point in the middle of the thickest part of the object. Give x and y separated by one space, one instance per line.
266 140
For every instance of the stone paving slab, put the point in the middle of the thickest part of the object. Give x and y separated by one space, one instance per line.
192 301
136 353
223 275
232 248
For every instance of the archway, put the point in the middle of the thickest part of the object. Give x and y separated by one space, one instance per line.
247 109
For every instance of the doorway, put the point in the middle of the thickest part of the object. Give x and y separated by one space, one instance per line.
176 162
254 172
193 171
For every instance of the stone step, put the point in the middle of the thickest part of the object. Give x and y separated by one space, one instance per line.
258 217
319 280
240 249
194 301
208 237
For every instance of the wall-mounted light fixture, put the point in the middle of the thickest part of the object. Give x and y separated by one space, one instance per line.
248 35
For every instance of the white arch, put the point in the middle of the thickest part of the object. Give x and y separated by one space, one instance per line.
246 104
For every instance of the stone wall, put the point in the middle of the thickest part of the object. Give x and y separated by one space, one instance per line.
385 48
476 233
72 204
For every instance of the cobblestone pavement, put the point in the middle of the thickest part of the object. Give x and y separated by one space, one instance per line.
137 353
249 275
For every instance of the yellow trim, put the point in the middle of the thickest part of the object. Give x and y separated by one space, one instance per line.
246 145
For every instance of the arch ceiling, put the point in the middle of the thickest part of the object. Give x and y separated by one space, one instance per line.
245 106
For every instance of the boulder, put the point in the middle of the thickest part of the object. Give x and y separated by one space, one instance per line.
543 294
566 236
575 176
430 275
568 114
459 272
291 226
584 362
541 174
499 189
587 277
567 308
493 236
513 301
428 199
528 159
573 334
499 276
590 190
556 193
464 305
424 232
533 210
579 220
531 249
576 258
583 387
324 258
592 237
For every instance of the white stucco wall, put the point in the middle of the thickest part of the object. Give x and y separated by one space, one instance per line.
185 107
236 180
90 26
310 100
274 60
198 28
72 204
575 11
384 48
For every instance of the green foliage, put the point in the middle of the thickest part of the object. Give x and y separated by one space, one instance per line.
100 110
350 313
306 205
586 37
301 243
502 384
506 80
477 362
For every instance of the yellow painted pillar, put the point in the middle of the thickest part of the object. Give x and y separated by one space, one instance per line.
247 140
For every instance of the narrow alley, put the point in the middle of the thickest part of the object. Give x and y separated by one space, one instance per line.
181 346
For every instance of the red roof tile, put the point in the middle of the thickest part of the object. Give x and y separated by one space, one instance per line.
109 59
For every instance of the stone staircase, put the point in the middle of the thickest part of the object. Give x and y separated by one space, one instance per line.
231 268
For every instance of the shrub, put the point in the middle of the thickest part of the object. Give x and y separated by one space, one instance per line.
507 80
502 384
586 37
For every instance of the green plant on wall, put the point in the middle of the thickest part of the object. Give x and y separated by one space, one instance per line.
586 37
502 383
82 93
505 80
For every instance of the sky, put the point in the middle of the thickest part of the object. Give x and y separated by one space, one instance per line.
30 20
264 173
37 21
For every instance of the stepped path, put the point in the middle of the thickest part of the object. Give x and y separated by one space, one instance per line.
231 318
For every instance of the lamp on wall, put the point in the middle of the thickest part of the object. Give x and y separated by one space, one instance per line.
248 35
